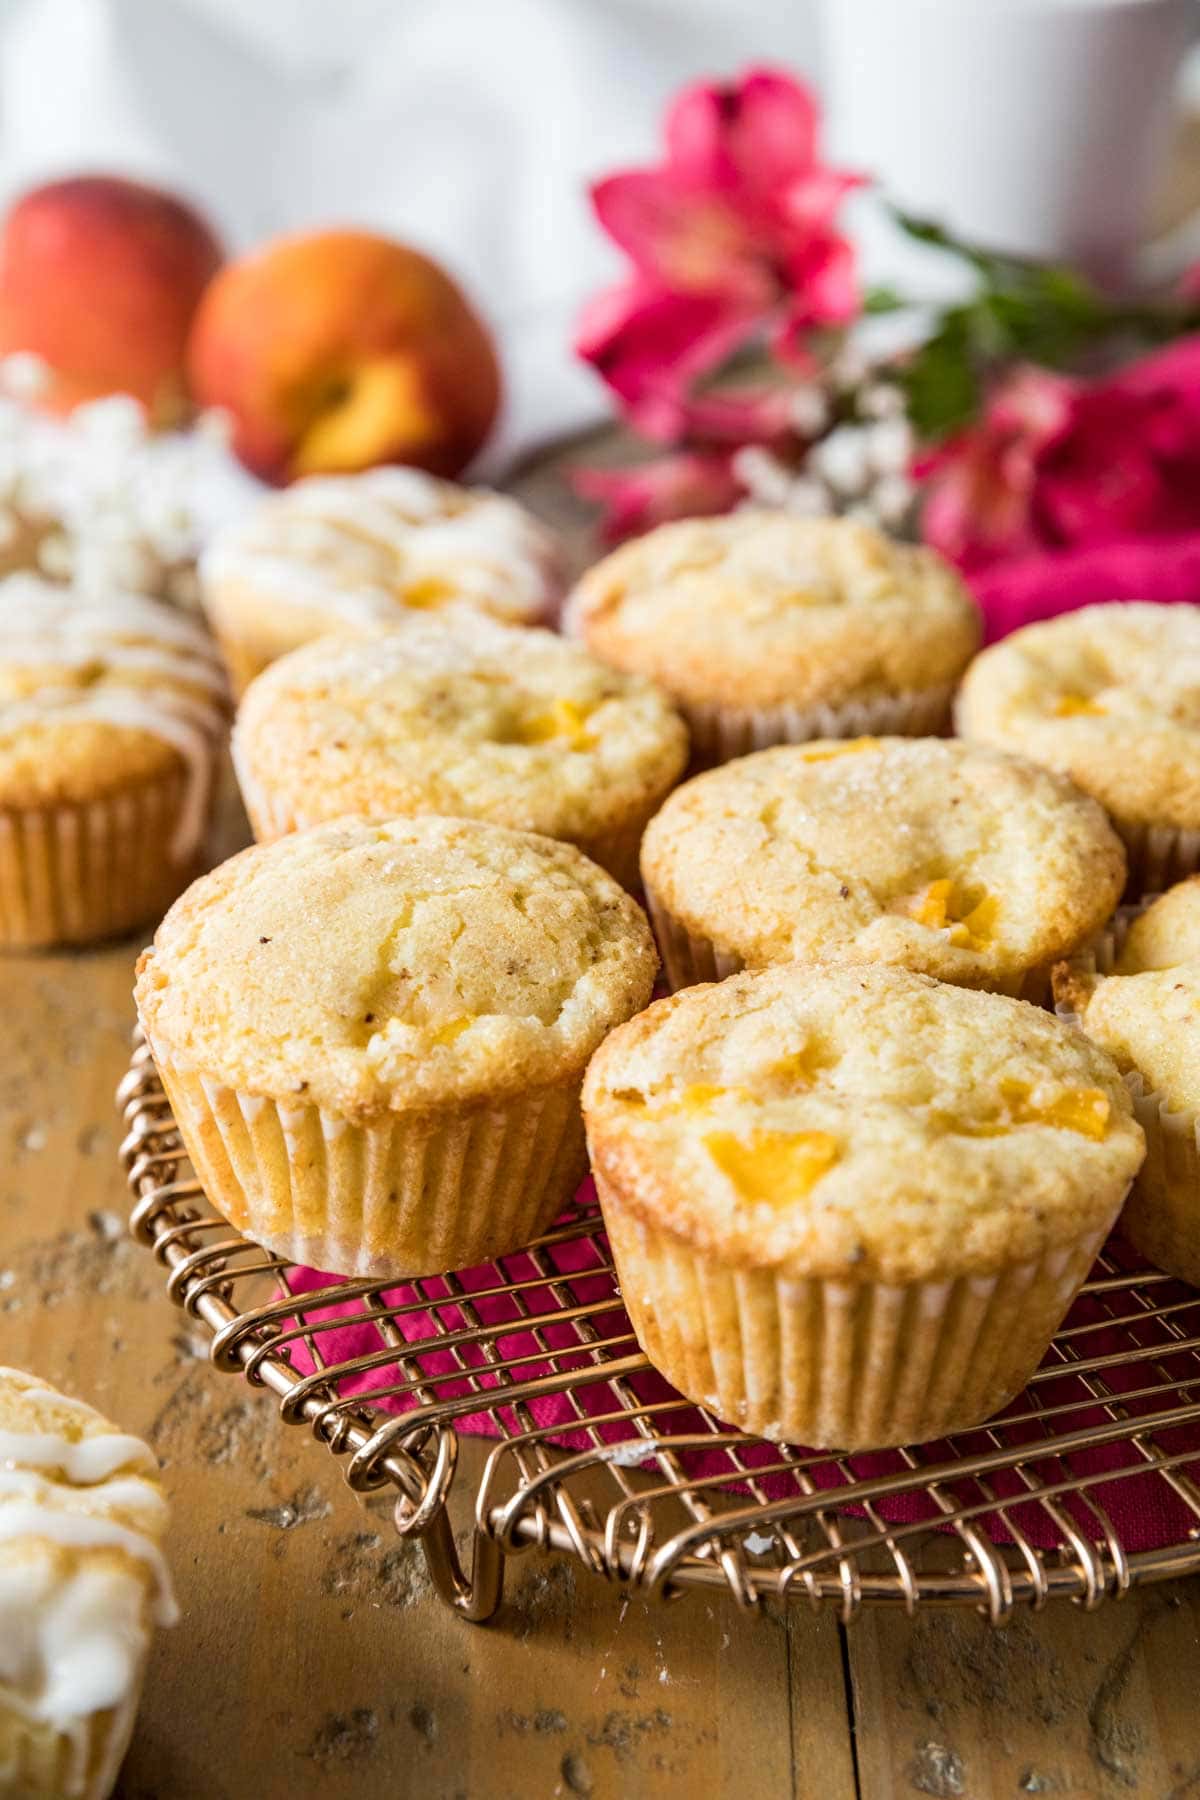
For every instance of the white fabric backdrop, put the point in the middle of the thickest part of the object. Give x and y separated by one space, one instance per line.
468 126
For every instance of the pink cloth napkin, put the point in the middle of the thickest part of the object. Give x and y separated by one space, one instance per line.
1026 589
1146 1512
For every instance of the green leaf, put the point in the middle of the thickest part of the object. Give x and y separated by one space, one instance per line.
885 300
941 385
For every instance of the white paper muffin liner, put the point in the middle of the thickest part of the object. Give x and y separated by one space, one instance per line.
1162 1214
82 1764
688 959
839 1364
720 733
73 874
409 1193
1158 856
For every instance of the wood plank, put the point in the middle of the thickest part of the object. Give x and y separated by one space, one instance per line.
1065 1703
314 1656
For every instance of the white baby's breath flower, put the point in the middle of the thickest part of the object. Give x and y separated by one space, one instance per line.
808 409
109 502
892 496
56 556
842 460
23 375
809 498
761 473
880 400
889 445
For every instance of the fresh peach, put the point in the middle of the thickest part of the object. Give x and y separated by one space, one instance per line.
338 350
99 277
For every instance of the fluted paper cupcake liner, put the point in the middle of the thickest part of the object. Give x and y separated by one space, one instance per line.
1158 856
720 733
1162 1214
71 874
39 1762
839 1364
409 1193
688 959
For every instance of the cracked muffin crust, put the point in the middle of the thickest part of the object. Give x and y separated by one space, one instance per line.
767 628
951 859
374 1035
819 1181
465 717
1109 695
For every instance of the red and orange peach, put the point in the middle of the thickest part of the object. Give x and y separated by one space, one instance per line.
99 278
338 350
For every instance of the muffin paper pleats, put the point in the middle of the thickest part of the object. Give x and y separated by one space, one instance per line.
840 1364
408 1193
74 874
721 733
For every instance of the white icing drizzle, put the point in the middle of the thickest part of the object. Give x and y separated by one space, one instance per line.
73 1641
88 1531
84 1461
157 672
350 545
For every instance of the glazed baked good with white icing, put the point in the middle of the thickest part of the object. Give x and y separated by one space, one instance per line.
353 552
83 1583
113 708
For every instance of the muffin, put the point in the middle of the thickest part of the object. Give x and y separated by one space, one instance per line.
1138 995
112 711
956 861
82 1584
1111 696
348 552
373 1036
463 716
765 628
850 1206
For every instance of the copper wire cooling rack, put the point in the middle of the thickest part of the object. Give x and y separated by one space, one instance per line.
1080 1491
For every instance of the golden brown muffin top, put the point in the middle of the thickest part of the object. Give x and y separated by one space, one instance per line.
944 857
1110 695
417 963
861 1124
461 716
762 609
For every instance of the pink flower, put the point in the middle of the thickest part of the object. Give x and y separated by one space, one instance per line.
672 487
1127 461
734 232
1069 492
1023 589
978 502
1057 463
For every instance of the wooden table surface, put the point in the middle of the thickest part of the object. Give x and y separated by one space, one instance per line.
313 1658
